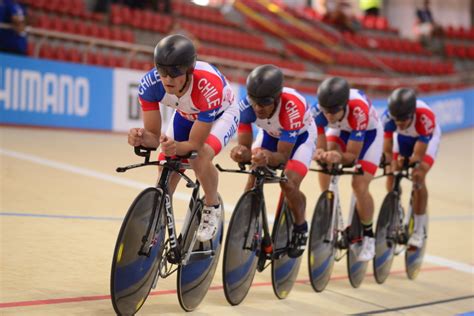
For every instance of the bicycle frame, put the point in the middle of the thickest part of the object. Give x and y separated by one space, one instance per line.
169 166
262 175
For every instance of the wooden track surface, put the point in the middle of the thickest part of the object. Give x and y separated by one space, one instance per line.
61 206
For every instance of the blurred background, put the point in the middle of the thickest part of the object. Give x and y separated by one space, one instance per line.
81 60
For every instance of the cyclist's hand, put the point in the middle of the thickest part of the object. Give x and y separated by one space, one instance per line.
332 156
318 154
168 146
260 157
240 153
135 136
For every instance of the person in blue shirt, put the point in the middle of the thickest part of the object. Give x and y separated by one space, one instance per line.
12 39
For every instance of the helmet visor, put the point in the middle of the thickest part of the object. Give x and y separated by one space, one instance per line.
172 71
263 101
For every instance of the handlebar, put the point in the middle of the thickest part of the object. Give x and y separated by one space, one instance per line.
270 174
172 163
338 169
404 171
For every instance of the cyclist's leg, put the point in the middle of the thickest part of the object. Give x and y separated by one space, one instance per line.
420 190
395 150
221 133
368 159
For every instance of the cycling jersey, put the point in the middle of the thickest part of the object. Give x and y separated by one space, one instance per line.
422 128
291 122
209 95
209 99
360 123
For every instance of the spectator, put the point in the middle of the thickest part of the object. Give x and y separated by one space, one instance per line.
426 28
338 13
163 6
12 38
370 7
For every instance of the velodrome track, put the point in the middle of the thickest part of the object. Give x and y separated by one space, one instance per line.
61 206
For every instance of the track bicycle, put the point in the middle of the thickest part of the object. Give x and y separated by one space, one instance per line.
394 229
249 247
330 239
143 253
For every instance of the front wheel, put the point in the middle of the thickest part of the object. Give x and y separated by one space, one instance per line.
284 268
133 273
242 247
195 277
386 237
322 242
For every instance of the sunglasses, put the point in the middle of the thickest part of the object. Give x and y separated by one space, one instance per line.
332 110
265 101
172 71
402 118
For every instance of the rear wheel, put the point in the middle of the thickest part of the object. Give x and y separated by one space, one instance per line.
322 242
284 268
132 273
242 248
386 235
355 269
414 256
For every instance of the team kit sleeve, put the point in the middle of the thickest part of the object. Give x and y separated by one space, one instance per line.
319 119
389 126
207 95
247 116
358 119
425 124
291 119
150 91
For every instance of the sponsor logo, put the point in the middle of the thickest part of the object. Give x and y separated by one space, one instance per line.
134 110
48 93
169 220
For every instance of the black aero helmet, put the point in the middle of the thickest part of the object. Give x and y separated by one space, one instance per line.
402 103
175 55
264 84
333 94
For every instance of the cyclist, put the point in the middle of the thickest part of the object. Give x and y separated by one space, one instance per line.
417 139
354 135
205 118
286 135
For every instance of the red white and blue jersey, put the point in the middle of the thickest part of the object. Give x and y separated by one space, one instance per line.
208 97
290 119
422 127
359 117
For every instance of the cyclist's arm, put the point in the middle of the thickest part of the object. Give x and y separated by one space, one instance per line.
152 124
352 152
282 154
388 149
197 137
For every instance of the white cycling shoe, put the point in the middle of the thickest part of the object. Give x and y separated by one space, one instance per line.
209 223
417 239
367 251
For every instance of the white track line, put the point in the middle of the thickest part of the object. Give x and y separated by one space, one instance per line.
94 174
179 195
